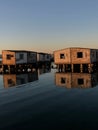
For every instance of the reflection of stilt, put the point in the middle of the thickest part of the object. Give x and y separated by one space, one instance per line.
63 68
66 67
81 68
89 68
72 68
58 67
2 69
9 69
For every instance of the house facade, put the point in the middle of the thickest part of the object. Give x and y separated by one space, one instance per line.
74 58
13 60
13 57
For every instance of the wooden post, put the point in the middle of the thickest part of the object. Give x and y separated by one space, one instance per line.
89 68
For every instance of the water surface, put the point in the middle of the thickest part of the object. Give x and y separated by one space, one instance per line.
47 102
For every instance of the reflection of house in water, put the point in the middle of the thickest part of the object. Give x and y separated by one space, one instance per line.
76 80
43 70
11 80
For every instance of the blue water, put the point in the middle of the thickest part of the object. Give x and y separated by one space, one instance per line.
41 104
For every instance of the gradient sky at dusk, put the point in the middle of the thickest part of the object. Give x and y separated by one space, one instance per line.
48 25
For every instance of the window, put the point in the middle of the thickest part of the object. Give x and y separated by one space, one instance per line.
62 56
8 57
93 54
63 80
47 56
79 54
80 81
21 56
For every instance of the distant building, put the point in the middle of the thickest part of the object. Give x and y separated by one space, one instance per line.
18 59
13 57
73 58
43 57
76 56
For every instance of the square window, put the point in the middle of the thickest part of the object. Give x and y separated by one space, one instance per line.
8 57
21 56
62 56
79 55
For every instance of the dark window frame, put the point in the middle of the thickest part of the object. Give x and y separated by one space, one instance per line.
62 56
21 56
8 56
48 57
79 54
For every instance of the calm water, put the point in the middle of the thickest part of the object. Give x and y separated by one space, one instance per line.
48 100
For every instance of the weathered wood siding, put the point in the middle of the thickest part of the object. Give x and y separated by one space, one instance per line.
76 56
59 59
8 61
78 60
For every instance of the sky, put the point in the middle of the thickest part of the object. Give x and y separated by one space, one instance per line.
48 25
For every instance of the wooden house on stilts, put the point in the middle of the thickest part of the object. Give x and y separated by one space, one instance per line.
14 60
76 59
